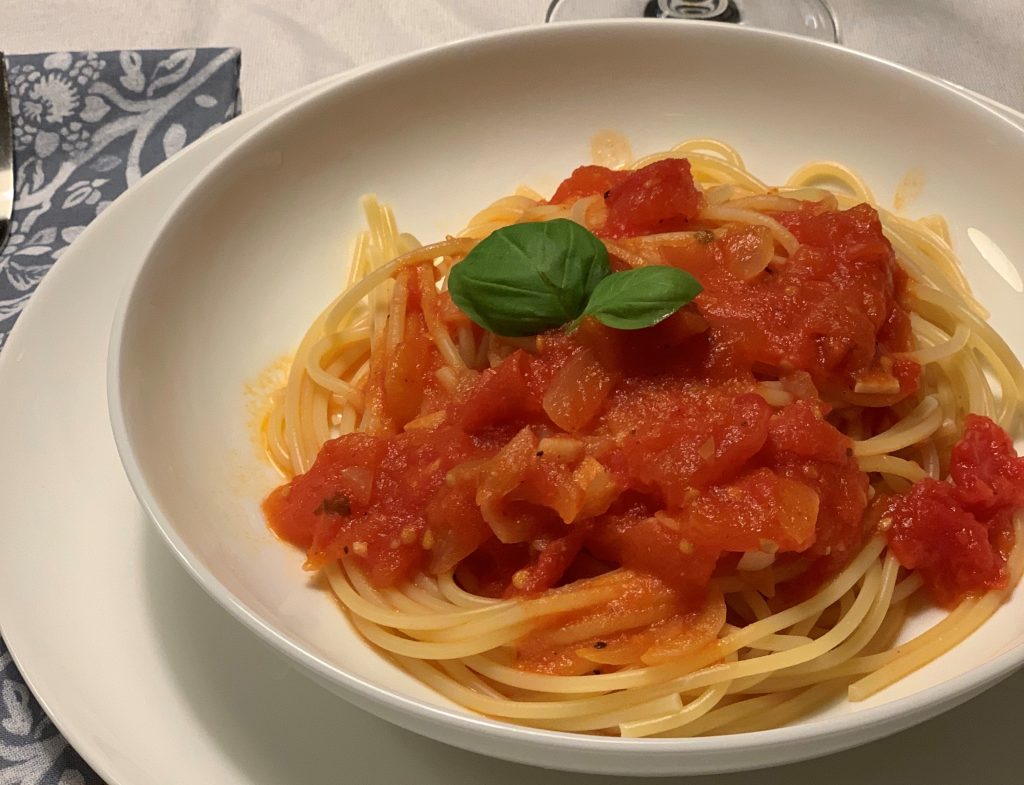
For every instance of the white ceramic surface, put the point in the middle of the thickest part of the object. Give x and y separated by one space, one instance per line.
126 634
255 248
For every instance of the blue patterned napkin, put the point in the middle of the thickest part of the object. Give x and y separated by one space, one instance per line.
86 126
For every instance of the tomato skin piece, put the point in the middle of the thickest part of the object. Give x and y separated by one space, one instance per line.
550 564
587 181
502 396
660 197
408 369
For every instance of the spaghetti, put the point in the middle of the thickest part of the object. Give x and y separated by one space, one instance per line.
498 513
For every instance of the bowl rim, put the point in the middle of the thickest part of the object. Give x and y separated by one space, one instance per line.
898 713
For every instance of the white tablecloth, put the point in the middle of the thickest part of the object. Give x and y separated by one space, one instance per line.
288 43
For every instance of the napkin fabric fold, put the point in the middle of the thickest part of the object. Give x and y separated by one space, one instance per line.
87 125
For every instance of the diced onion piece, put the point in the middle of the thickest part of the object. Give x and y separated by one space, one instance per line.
690 632
427 421
774 394
467 471
878 384
755 560
719 194
707 450
599 486
561 448
825 198
578 391
751 254
667 521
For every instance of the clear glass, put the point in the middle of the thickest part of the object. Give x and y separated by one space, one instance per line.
811 18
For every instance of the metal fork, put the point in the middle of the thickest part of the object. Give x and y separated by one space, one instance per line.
6 156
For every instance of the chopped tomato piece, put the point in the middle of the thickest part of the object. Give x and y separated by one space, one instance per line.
661 197
502 396
931 532
984 465
801 429
310 509
958 534
676 440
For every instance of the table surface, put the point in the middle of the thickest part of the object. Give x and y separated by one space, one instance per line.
288 44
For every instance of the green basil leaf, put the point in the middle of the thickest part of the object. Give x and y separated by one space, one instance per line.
641 297
528 278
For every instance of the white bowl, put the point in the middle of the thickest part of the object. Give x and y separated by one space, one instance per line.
261 242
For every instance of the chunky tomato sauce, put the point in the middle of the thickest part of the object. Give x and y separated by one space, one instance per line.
671 450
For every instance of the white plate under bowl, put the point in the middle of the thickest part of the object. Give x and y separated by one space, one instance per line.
256 248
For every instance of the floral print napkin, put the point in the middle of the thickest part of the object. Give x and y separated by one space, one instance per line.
87 125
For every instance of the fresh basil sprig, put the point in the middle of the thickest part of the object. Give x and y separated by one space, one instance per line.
531 277
528 278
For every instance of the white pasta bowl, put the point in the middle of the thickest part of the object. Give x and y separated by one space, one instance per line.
261 242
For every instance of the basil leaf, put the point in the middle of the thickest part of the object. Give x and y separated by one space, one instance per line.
641 297
528 278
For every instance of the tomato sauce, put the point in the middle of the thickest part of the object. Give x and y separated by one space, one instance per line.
662 449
